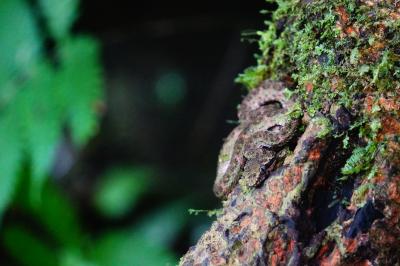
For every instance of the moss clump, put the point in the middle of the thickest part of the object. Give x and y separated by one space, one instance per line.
252 76
325 125
344 52
329 49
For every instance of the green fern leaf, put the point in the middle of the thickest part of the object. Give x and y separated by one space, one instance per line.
20 42
39 100
80 82
360 159
43 122
60 15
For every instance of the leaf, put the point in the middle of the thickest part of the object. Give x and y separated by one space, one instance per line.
81 84
119 189
60 15
10 158
163 225
42 123
53 99
360 159
57 221
59 217
38 100
74 258
20 42
154 235
26 248
130 249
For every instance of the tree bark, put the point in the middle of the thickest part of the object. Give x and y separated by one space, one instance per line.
335 198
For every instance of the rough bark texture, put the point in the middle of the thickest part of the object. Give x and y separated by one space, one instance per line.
335 199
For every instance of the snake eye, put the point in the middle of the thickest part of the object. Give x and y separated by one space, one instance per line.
275 103
275 128
263 169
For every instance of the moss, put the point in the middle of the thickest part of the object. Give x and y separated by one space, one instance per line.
252 76
295 111
223 157
321 41
346 141
325 125
359 195
209 213
343 51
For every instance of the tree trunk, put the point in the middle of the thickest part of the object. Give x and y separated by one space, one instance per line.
314 178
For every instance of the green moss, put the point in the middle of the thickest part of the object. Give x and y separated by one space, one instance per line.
333 51
360 193
310 50
209 213
252 76
325 125
295 111
346 141
223 157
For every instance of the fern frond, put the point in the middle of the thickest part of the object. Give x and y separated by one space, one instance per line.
360 159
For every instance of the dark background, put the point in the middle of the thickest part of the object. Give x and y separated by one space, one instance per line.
169 68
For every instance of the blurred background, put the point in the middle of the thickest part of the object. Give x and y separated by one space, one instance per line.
112 114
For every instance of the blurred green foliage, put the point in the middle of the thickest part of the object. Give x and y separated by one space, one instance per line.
51 86
119 189
43 92
147 242
59 239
